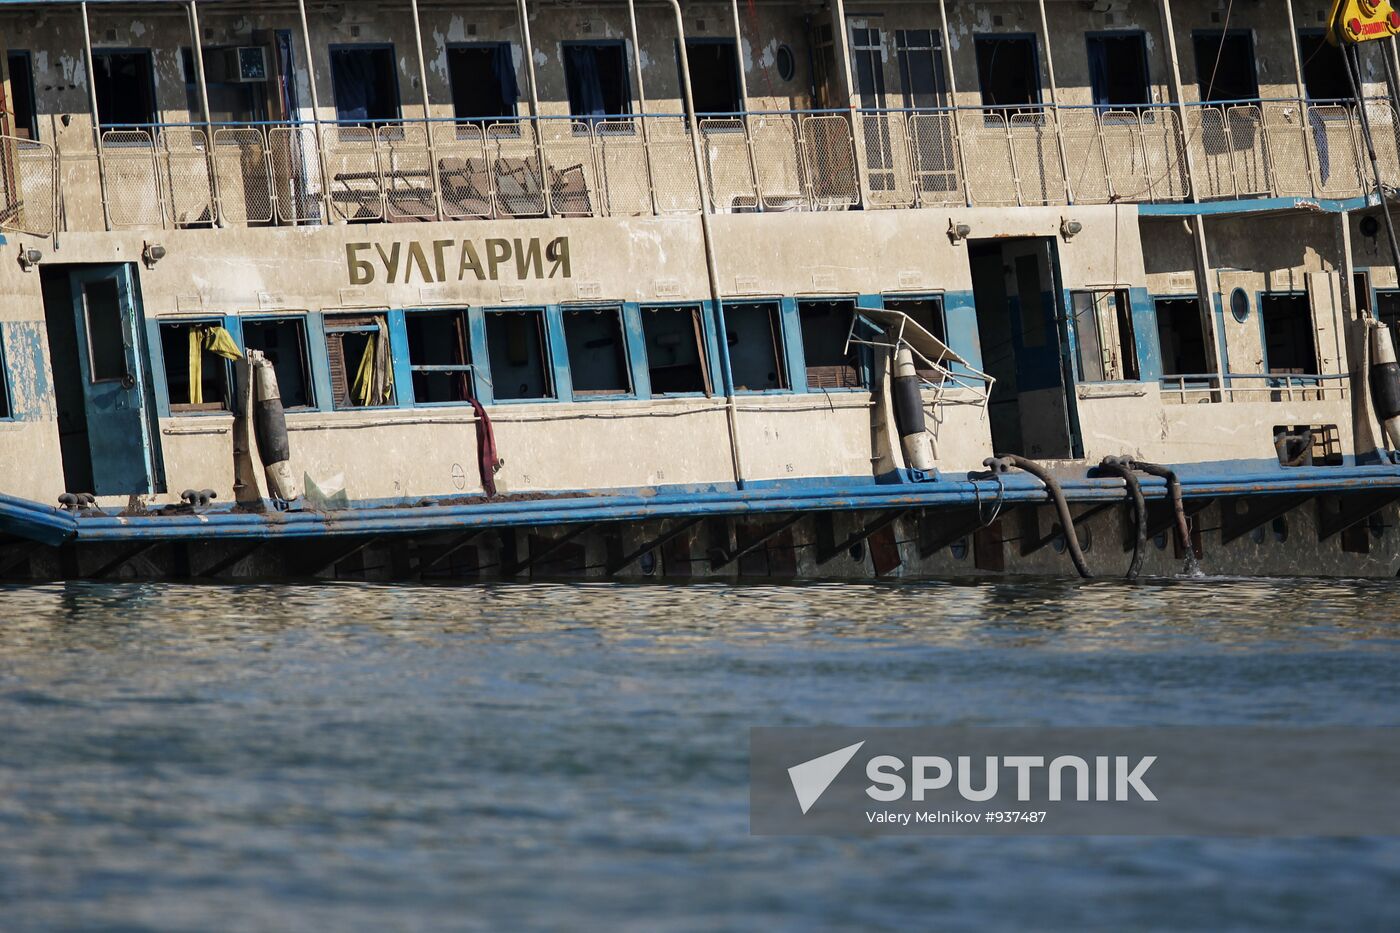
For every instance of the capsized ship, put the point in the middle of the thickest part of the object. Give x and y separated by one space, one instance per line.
450 290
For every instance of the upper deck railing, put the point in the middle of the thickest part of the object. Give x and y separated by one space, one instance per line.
192 175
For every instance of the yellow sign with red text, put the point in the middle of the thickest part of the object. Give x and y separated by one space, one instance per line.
1356 21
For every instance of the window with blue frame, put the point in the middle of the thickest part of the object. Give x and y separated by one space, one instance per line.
830 357
196 377
597 351
927 312
439 354
5 411
518 348
595 73
675 350
755 339
359 359
283 341
1104 338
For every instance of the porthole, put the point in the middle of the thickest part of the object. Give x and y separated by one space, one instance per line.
1239 304
1376 522
1086 538
1257 535
959 549
1160 540
1280 527
647 563
857 551
787 62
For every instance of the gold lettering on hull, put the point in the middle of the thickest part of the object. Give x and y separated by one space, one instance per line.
497 258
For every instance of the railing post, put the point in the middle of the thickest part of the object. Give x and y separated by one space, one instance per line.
427 113
1301 89
642 107
197 51
953 99
842 38
326 215
1054 101
96 117
529 50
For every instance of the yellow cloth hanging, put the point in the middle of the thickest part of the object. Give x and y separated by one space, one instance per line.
215 340
374 377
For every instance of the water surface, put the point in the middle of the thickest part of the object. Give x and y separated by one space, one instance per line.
508 757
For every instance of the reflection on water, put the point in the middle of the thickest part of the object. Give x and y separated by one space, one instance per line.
528 756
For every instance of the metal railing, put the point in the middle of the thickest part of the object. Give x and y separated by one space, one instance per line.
1255 387
287 173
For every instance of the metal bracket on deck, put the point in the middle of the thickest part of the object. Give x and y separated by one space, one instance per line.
889 518
957 524
1258 511
1350 510
554 547
1161 518
321 564
719 563
1030 545
655 543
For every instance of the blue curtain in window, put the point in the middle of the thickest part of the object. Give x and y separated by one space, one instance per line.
503 70
352 77
585 84
1098 71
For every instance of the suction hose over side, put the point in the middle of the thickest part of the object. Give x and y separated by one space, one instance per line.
1385 383
909 412
1052 488
270 429
1183 530
1122 467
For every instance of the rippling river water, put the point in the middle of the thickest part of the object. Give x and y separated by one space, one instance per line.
506 757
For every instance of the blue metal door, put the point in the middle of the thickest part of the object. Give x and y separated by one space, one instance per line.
116 395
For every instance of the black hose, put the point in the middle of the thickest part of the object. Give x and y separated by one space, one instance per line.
1183 530
1122 467
1056 494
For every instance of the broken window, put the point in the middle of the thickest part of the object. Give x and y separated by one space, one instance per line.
714 75
927 312
1225 65
1288 334
1181 335
675 346
5 411
518 348
283 342
1008 71
230 100
24 120
1118 69
1324 67
596 75
597 351
920 53
439 353
755 337
1104 337
365 81
197 376
831 362
482 76
360 362
126 90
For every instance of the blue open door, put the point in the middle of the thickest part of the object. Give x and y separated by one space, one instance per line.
116 391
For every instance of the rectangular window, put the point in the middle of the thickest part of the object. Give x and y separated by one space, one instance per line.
920 53
5 411
230 101
1181 335
361 366
597 351
675 342
1288 334
868 63
186 345
106 346
365 81
1388 311
24 118
1118 69
1105 341
755 337
519 351
482 77
126 90
283 342
826 327
1008 71
1324 68
596 75
927 312
714 75
1225 65
439 353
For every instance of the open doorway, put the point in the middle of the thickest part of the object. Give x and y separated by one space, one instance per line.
125 84
1015 285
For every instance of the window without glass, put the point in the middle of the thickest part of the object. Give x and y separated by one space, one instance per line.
1181 335
365 81
23 117
920 53
675 344
755 336
229 101
516 344
1324 68
482 76
1225 65
1104 338
826 325
714 75
1118 69
439 354
596 75
283 342
361 367
1288 334
209 387
927 312
1007 71
125 84
5 410
597 351
1388 311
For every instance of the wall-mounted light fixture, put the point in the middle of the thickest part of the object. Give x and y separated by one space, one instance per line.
29 258
152 253
1069 229
958 232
